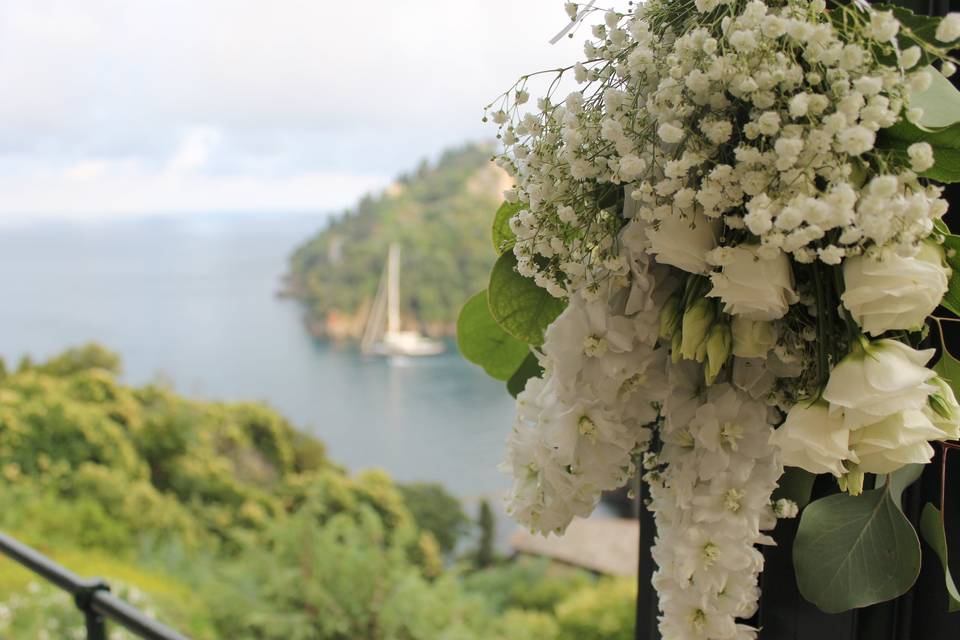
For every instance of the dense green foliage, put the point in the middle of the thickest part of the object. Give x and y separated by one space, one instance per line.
225 522
436 512
437 214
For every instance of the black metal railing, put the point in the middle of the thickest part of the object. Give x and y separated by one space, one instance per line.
91 595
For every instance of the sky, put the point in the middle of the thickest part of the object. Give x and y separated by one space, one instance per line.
118 108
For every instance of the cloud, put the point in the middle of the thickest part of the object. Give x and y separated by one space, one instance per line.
102 189
119 97
195 150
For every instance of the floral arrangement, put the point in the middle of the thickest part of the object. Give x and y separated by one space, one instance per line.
720 261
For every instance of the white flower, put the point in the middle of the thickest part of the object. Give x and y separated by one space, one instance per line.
752 338
670 133
889 292
949 28
856 140
754 286
683 242
910 57
878 380
921 156
899 439
814 439
883 26
631 167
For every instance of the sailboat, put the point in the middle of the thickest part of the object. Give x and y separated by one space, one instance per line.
382 335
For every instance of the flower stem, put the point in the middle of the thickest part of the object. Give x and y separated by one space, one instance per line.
823 366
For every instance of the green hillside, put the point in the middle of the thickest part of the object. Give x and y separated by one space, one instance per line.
439 214
224 521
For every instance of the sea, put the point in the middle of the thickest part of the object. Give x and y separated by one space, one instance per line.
189 301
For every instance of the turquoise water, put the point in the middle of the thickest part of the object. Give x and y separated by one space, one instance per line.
189 300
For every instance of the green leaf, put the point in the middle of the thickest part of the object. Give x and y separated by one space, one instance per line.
530 368
951 249
939 126
948 368
483 342
852 552
931 528
503 237
903 478
795 484
522 308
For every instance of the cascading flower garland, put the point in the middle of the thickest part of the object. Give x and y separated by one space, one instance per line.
739 209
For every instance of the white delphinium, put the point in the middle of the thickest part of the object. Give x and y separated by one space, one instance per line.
712 504
580 427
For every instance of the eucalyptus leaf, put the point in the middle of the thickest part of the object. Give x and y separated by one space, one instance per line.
795 484
931 528
503 236
523 309
483 342
951 248
529 368
902 478
948 368
851 552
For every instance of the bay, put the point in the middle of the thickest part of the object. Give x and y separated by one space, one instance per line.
188 300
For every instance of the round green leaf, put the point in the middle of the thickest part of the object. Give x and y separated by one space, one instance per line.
523 309
795 484
503 237
851 552
529 369
931 527
483 342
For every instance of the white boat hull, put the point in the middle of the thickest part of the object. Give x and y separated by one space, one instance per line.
407 343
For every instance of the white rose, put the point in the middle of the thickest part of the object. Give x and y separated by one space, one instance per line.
814 439
752 338
891 292
755 287
878 380
682 242
899 439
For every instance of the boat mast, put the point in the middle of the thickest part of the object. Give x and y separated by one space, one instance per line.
393 289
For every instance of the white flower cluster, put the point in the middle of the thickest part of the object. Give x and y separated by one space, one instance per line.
727 235
607 390
761 129
711 504
581 426
878 413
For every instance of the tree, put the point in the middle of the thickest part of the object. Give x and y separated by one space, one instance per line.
488 530
436 511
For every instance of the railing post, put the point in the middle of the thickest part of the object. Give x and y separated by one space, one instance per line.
83 598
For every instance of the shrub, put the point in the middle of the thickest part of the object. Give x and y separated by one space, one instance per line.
527 583
602 612
436 511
